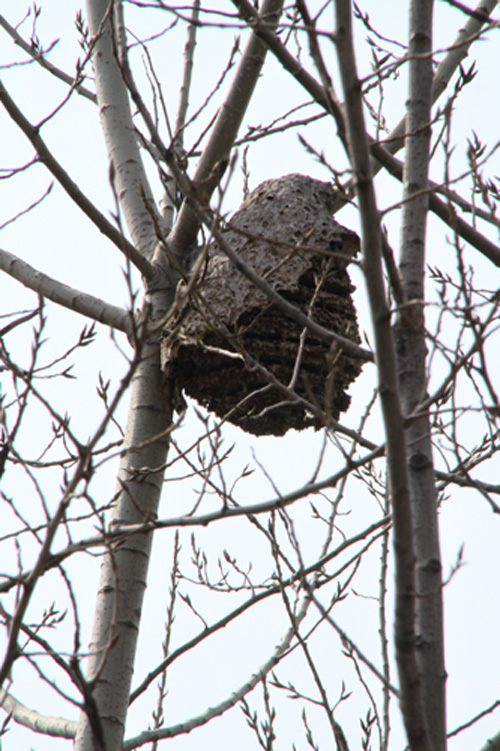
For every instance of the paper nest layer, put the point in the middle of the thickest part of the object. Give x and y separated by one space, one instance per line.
227 346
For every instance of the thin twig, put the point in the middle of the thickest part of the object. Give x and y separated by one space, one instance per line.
72 189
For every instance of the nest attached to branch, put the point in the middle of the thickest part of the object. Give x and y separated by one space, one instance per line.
238 354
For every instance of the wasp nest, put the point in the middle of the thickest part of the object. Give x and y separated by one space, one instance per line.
237 353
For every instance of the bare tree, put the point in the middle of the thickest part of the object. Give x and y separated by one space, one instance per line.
326 593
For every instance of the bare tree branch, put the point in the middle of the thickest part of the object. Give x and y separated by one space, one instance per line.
457 52
411 700
411 349
128 173
169 201
28 584
58 727
445 211
119 533
289 62
80 302
41 59
74 192
215 155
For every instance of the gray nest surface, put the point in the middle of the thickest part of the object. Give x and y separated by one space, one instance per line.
230 348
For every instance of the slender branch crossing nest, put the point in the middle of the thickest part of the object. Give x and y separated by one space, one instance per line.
238 354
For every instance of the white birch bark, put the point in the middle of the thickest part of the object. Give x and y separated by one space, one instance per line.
81 302
126 164
124 569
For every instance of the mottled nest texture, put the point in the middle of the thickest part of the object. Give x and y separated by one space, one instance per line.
230 348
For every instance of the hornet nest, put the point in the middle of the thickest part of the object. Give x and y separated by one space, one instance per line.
237 353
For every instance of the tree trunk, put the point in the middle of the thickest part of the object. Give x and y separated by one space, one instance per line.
411 359
124 568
